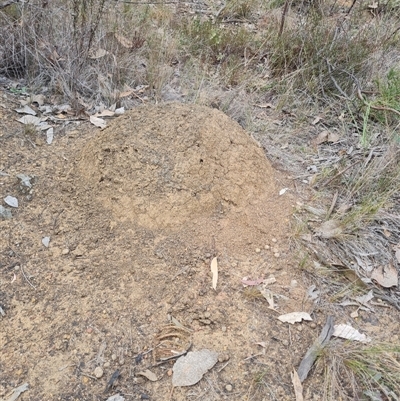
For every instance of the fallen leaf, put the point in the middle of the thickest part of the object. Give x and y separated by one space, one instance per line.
11 201
320 138
26 110
364 299
29 120
15 393
99 53
46 241
214 271
329 229
265 106
262 344
252 282
116 397
282 191
349 333
332 137
398 254
294 317
385 276
49 135
123 41
148 375
119 111
188 370
269 296
98 122
105 113
298 388
316 120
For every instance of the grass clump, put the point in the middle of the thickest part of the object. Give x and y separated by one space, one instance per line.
361 372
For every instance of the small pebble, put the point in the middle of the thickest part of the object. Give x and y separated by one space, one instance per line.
277 254
285 343
65 251
16 268
121 361
223 358
274 240
313 325
207 315
228 387
169 372
106 364
266 247
113 357
148 313
98 372
223 328
299 328
85 380
258 250
89 330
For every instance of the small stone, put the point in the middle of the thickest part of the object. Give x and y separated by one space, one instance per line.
285 343
65 251
106 364
85 380
121 361
299 328
98 372
16 268
207 315
223 358
266 247
113 357
228 387
277 254
258 250
313 325
223 328
89 330
148 313
169 373
274 240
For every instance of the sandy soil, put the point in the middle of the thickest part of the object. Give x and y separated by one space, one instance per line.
135 214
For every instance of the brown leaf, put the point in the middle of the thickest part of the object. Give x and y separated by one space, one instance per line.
98 122
329 229
320 138
122 40
298 388
148 375
386 276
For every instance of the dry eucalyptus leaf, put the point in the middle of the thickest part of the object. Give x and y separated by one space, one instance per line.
99 53
316 120
332 137
98 122
386 276
148 375
329 229
298 387
105 113
29 120
320 138
268 295
46 241
398 254
11 201
49 135
26 110
294 317
214 271
122 40
282 191
349 333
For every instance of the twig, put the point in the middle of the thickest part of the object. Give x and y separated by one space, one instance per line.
223 367
285 8
339 174
334 200
334 80
26 278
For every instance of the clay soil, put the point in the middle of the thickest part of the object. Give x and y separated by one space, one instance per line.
135 214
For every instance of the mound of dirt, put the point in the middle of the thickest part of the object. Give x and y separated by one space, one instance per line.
183 167
135 214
